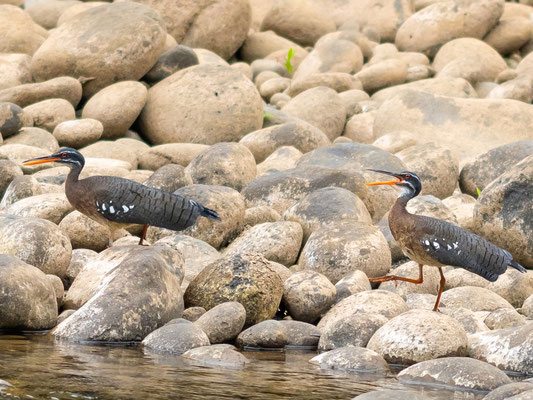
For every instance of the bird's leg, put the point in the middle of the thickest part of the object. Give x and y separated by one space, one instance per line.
143 235
399 278
441 288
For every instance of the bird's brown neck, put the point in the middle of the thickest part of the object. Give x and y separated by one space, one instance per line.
401 221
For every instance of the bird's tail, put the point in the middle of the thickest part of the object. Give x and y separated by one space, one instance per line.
517 266
211 214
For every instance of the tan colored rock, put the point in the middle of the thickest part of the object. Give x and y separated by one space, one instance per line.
258 45
273 86
513 286
223 322
84 232
516 89
78 133
112 150
431 206
504 318
46 13
285 157
75 9
355 359
8 172
47 114
14 70
172 153
260 214
11 119
265 334
50 206
395 141
474 298
509 34
170 177
36 137
360 127
25 94
176 337
338 81
355 282
383 74
410 269
462 206
20 34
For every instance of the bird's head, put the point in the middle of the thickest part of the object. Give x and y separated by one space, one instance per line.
71 157
407 181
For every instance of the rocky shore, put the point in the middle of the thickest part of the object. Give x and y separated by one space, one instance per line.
271 112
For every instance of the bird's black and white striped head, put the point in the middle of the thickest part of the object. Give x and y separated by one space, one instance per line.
67 155
407 181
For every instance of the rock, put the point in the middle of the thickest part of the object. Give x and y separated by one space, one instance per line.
428 29
78 133
49 206
19 188
176 337
129 39
338 81
324 206
145 271
298 21
471 321
513 286
34 137
84 232
396 394
430 206
112 150
8 172
28 299
410 269
436 166
355 359
265 334
37 242
509 391
486 167
46 13
509 35
116 106
504 207
225 164
376 302
20 34
300 334
264 70
527 307
220 26
351 99
14 70
456 372
75 9
353 330
462 206
284 158
508 349
343 246
221 355
321 107
276 241
416 336
193 313
223 322
63 87
259 45
177 58
359 127
474 298
383 74
396 141
456 277
308 295
355 282
303 136
504 318
517 89
64 315
47 114
80 257
209 103
169 177
245 278
171 153
11 119
272 86
259 215
59 290
20 152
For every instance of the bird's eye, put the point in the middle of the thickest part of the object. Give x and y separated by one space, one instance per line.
407 176
63 155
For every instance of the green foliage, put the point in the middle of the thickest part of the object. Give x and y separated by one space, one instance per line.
266 115
478 191
288 64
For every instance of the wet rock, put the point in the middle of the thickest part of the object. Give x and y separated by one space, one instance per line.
508 349
308 295
173 60
221 355
64 87
207 103
321 107
456 372
176 337
436 166
171 153
34 137
338 81
283 158
382 74
259 215
145 271
324 206
428 29
353 330
11 119
129 38
376 302
245 278
78 133
509 390
356 359
503 214
80 257
47 114
343 246
513 286
193 313
386 394
14 70
504 318
116 106
416 336
410 269
37 242
20 34
28 299
276 241
50 206
299 134
354 282
509 34
454 123
474 298
223 322
8 172
225 164
64 315
300 334
265 334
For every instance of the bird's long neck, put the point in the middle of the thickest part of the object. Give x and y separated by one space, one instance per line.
399 218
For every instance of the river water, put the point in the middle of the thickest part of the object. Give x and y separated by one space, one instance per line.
36 367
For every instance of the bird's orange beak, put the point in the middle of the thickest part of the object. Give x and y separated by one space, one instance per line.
398 178
41 160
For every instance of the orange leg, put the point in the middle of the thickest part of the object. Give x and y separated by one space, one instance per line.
143 235
441 288
399 278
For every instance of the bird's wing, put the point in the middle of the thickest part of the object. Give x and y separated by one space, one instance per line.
452 245
129 202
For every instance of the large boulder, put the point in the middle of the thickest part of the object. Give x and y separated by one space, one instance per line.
207 104
50 206
355 359
175 337
20 34
126 37
474 298
14 70
64 87
223 322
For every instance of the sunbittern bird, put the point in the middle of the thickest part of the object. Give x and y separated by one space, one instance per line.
433 242
117 202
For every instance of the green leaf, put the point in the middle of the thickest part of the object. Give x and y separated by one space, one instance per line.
266 115
288 64
478 191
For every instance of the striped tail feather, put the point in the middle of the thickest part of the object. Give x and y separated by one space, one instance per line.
517 266
208 213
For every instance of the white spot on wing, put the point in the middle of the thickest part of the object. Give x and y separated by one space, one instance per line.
104 207
426 242
448 247
97 204
436 245
125 208
455 245
458 252
111 209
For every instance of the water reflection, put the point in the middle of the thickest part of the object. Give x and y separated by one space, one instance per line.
38 368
